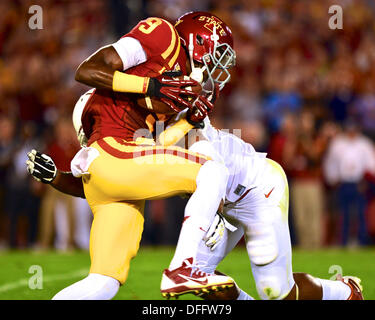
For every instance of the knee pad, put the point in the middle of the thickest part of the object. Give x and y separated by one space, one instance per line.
261 244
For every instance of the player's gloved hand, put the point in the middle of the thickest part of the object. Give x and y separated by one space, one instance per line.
172 90
201 107
41 167
216 231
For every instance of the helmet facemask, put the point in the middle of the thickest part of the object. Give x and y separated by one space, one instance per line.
215 63
218 63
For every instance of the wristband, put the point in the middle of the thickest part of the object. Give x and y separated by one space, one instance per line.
123 82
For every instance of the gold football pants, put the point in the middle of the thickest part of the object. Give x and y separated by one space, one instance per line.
120 179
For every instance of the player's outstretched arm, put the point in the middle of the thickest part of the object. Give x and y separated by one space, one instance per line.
43 169
65 182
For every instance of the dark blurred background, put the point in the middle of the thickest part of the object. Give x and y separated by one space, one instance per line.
301 92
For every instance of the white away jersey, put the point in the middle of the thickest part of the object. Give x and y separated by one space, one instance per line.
243 162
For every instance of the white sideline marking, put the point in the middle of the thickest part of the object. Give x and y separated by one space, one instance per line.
25 282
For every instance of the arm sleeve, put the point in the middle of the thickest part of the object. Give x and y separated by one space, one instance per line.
130 51
209 132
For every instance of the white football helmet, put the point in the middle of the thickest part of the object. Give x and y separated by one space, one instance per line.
77 115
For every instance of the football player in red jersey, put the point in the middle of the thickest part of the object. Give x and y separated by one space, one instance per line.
120 170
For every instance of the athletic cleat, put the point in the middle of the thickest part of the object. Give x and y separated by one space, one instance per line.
189 279
355 286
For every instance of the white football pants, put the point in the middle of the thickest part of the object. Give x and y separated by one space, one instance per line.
262 218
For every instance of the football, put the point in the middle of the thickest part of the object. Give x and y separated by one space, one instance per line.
156 105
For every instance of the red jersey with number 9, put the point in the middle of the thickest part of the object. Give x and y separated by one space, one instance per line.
117 114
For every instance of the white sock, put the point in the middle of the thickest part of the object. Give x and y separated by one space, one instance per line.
244 296
334 290
93 287
200 210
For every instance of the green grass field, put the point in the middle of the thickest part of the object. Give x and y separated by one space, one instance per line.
60 270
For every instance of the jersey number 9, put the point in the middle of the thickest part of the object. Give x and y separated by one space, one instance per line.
149 25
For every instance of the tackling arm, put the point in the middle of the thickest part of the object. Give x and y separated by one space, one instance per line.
43 169
65 182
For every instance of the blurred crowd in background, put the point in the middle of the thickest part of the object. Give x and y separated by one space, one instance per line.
301 92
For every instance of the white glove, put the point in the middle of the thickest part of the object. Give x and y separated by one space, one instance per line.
216 231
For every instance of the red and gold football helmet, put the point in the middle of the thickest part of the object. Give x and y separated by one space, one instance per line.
210 44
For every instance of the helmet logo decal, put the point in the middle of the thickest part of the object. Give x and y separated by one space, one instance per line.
212 22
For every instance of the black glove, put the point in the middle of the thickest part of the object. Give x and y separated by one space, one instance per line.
170 89
41 167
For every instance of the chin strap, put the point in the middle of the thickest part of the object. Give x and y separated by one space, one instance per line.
214 37
196 73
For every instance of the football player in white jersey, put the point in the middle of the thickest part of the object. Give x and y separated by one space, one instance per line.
256 204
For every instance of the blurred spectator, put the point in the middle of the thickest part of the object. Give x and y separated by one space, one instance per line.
163 220
57 210
246 100
363 108
350 156
171 9
251 131
281 139
287 58
37 85
327 131
22 198
302 160
8 145
285 99
82 223
156 213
